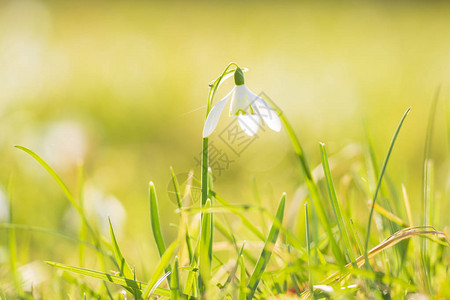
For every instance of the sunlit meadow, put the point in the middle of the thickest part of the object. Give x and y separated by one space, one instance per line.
101 98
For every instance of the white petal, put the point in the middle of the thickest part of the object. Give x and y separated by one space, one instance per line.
240 102
214 115
249 123
265 111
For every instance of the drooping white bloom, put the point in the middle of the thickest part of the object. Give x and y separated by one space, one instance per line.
248 107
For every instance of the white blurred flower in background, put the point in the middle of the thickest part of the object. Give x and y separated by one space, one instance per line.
65 144
109 206
33 274
99 206
4 207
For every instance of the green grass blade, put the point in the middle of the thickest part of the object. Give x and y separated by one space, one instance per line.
50 232
308 247
230 237
356 237
244 219
311 185
389 215
156 225
264 258
124 282
192 283
429 190
242 282
55 176
430 129
292 275
236 210
70 197
174 282
373 175
233 271
183 219
176 188
154 217
204 250
190 286
83 230
12 244
157 283
211 215
428 185
163 263
187 238
394 138
204 175
124 268
336 206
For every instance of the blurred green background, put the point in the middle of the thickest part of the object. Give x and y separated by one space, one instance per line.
122 87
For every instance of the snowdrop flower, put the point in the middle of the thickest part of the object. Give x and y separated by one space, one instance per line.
248 107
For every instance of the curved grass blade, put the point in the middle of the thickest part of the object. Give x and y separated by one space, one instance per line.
394 138
264 258
158 282
164 262
125 269
394 239
64 188
311 185
50 232
69 196
124 282
55 176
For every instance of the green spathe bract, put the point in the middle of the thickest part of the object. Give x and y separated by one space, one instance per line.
238 76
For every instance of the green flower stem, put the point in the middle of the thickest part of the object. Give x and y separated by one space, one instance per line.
205 149
205 181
